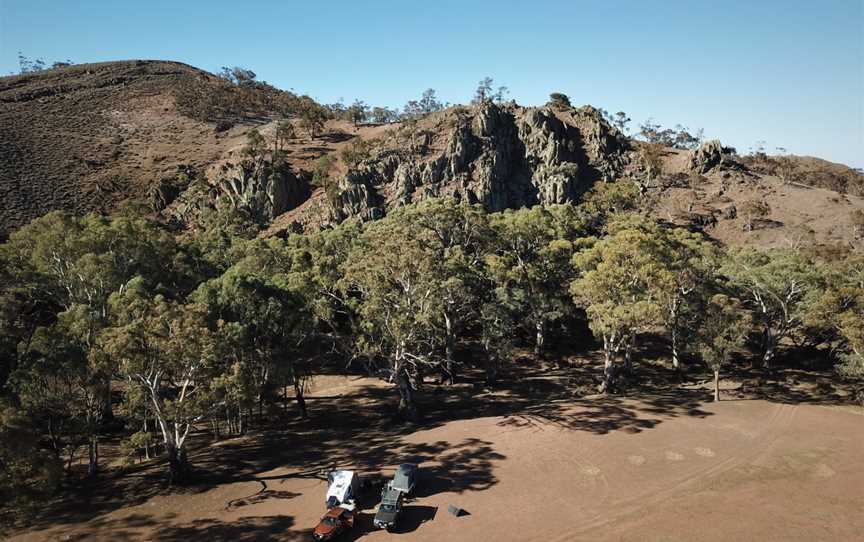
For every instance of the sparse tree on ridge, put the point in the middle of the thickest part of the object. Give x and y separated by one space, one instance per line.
237 75
620 120
428 103
312 120
559 100
485 93
752 210
284 132
857 219
355 152
358 112
651 155
383 115
27 65
256 146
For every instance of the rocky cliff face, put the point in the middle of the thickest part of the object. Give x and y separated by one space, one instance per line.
260 188
263 188
501 156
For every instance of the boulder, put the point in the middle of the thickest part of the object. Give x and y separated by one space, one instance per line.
708 156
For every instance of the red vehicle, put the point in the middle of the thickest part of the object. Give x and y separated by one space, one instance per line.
335 522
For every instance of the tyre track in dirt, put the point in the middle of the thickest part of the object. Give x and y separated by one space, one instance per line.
781 417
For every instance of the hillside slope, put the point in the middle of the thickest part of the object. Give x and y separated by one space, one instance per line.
83 138
86 138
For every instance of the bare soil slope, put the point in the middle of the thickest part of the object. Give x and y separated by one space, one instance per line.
666 466
82 138
794 214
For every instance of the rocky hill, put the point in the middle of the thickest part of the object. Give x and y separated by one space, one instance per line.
83 138
89 137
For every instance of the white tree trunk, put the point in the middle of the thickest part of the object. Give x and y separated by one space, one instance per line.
770 347
450 346
716 384
608 363
541 337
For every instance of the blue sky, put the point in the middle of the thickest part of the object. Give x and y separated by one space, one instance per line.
789 72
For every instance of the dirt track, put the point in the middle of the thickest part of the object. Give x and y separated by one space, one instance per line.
657 468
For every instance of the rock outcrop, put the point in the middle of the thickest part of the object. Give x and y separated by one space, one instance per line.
163 194
260 188
501 156
167 189
708 156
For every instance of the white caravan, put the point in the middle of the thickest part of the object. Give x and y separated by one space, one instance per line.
342 489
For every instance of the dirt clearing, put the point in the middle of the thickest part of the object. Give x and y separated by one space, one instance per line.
661 467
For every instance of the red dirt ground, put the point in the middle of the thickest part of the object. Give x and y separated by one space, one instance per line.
664 466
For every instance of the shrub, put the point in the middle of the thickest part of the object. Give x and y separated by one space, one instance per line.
559 100
355 152
321 170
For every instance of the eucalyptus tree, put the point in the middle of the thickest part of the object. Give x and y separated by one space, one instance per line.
358 112
400 292
26 302
779 286
28 473
686 267
852 329
724 326
61 387
840 309
606 201
497 324
168 350
82 261
313 267
78 263
529 265
851 319
455 238
270 322
428 103
691 266
616 284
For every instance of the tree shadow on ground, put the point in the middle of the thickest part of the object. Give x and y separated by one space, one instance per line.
262 495
359 430
245 529
413 517
125 529
791 385
143 527
335 136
